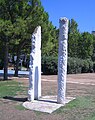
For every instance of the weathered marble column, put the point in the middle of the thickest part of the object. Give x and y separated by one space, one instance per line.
62 60
34 91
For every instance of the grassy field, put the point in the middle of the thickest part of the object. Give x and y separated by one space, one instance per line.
82 108
11 88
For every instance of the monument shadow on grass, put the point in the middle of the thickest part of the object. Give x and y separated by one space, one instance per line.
15 99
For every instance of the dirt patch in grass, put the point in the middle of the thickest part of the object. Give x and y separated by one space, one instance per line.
83 108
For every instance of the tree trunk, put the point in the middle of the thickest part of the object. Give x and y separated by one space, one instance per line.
6 61
18 56
17 64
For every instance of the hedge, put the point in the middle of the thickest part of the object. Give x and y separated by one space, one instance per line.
75 65
49 65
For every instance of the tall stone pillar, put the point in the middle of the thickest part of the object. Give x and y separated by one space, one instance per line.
34 91
62 60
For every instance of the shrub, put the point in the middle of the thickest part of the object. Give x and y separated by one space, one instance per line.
94 66
87 66
49 65
74 65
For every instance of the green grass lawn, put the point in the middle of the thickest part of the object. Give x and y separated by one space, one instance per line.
11 88
82 108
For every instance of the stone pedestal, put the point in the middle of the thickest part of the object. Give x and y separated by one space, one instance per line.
62 60
34 91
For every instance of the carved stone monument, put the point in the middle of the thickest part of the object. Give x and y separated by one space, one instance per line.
34 91
47 103
62 60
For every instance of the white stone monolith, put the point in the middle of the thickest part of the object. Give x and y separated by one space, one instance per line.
62 60
34 91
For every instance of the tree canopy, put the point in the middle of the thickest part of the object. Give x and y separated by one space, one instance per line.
18 19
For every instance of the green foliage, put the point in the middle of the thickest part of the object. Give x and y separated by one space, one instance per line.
87 66
73 38
6 30
94 66
93 56
80 45
18 19
76 65
80 50
49 65
49 40
85 46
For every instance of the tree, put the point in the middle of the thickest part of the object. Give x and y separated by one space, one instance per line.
73 38
22 18
49 40
93 56
85 46
6 31
13 14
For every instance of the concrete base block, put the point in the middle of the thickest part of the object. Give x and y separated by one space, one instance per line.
46 104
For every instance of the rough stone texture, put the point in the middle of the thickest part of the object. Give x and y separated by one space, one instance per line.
62 60
34 91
